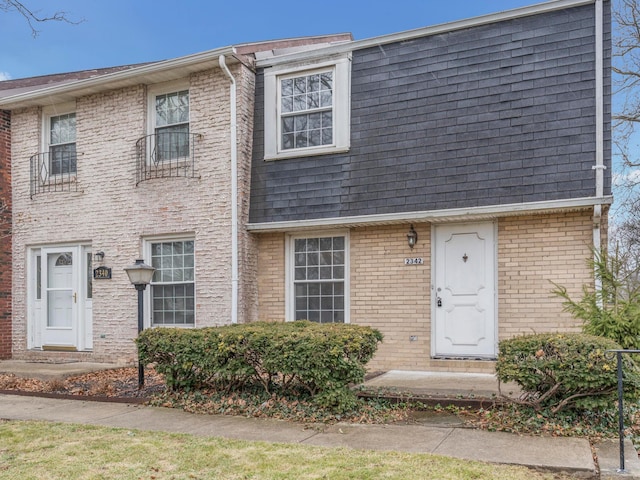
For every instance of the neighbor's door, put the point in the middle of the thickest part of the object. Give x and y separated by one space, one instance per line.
59 312
464 322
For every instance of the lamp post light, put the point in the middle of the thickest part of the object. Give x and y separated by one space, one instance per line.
140 275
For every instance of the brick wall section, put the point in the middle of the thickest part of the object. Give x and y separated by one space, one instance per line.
396 299
532 253
5 234
114 215
270 277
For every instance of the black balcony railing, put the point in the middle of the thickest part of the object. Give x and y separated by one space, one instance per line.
53 171
166 154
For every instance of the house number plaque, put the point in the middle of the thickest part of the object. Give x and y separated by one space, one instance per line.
414 261
102 273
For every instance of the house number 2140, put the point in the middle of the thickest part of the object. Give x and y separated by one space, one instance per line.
414 261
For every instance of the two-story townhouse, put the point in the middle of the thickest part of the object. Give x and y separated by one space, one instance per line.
150 161
433 183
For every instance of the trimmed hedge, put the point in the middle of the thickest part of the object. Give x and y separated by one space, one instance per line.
566 371
319 359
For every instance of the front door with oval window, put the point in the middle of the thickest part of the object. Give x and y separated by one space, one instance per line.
61 298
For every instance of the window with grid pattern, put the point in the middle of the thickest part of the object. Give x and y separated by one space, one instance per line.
62 144
172 125
173 283
306 110
319 279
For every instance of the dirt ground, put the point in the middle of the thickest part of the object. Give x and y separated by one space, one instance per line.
116 383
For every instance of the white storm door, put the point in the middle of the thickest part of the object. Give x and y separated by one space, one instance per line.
464 312
59 312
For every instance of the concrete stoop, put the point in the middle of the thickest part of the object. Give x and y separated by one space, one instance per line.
608 454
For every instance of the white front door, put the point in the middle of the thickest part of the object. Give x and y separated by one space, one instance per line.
464 313
60 292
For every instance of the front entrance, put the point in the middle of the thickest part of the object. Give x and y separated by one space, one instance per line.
464 313
61 298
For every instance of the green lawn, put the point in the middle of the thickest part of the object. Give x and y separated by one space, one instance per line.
42 451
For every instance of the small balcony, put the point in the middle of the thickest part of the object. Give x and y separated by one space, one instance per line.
166 154
53 171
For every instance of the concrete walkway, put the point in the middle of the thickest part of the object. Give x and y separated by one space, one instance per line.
430 435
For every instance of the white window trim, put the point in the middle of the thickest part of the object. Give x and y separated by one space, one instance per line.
341 108
152 92
47 114
161 89
289 290
146 250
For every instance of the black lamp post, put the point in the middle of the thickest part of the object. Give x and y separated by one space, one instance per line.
140 275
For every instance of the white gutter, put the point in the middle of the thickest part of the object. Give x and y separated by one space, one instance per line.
234 191
540 8
116 78
434 216
599 167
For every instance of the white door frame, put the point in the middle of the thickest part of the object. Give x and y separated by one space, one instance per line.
81 332
435 236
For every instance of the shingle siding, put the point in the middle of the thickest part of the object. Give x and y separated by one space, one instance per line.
495 114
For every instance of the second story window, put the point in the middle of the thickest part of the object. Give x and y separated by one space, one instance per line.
171 126
307 108
61 133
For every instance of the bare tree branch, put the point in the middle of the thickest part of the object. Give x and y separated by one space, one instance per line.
34 17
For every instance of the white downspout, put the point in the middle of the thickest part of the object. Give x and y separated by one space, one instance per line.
599 167
234 191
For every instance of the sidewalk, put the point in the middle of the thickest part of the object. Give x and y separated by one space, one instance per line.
431 435
568 455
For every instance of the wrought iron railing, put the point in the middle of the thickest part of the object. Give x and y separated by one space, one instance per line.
167 154
53 171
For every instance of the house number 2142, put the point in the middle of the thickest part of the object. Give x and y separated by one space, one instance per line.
414 261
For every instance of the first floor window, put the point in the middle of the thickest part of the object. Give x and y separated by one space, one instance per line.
173 283
319 266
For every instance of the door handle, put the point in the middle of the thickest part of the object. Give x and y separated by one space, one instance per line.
75 297
439 302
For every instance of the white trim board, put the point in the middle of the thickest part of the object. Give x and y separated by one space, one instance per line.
436 216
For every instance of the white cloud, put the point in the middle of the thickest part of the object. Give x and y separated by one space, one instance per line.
632 177
4 76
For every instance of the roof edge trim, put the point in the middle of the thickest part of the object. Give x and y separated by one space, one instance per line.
7 102
433 216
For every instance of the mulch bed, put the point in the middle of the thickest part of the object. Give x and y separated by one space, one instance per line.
119 383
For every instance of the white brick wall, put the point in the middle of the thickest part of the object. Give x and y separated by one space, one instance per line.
114 215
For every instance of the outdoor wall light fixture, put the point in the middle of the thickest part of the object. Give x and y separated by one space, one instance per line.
140 275
98 256
412 237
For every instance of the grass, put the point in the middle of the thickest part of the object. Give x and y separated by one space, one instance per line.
46 451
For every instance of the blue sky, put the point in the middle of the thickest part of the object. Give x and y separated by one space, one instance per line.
122 32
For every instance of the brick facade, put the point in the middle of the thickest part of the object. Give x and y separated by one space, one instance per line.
532 252
110 213
5 234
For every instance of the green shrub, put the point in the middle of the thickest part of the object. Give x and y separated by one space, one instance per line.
613 309
320 360
566 371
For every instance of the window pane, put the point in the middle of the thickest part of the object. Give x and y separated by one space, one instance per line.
89 275
172 289
62 159
318 281
302 94
63 129
171 143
